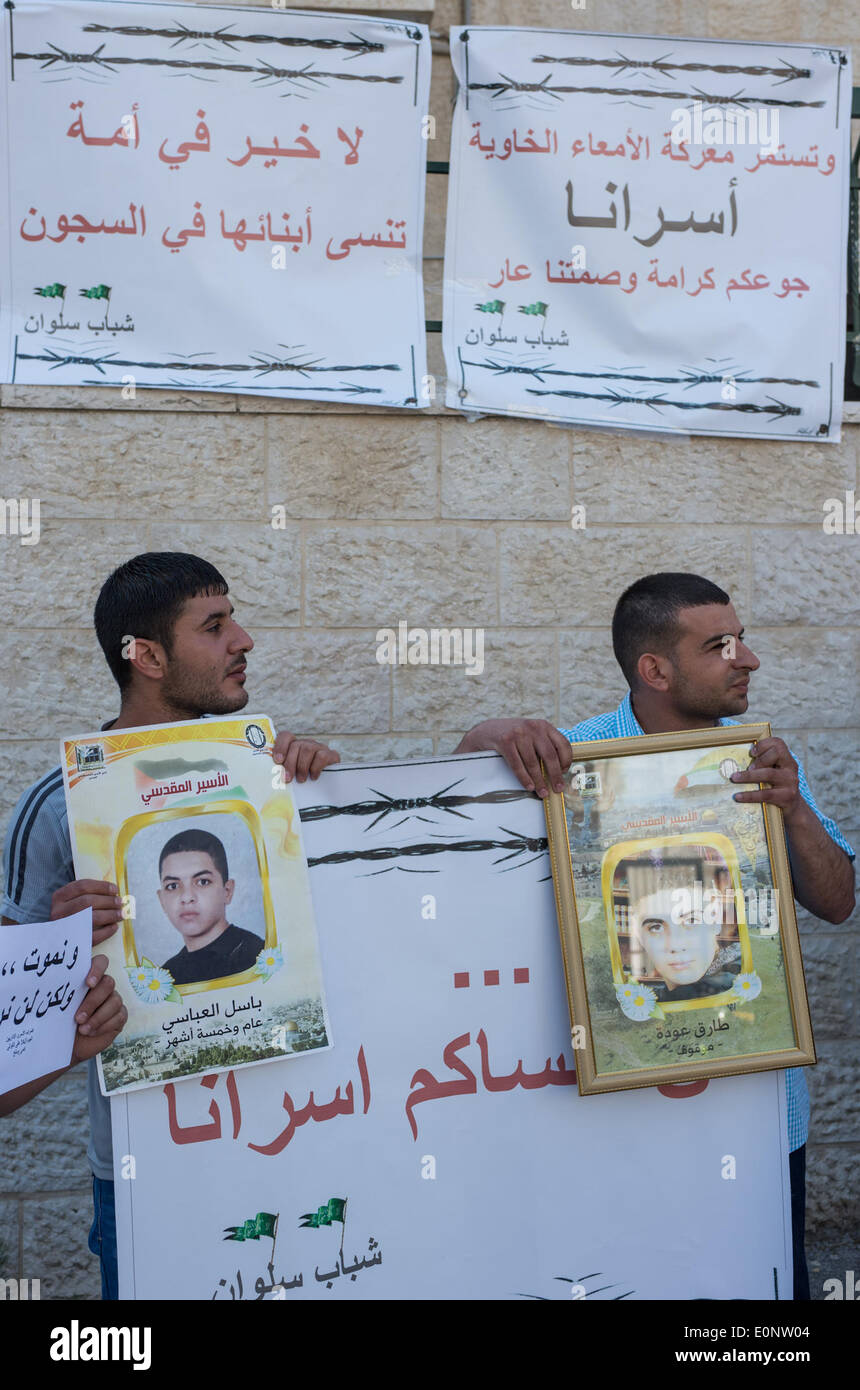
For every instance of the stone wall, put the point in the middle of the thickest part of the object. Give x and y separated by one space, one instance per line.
439 522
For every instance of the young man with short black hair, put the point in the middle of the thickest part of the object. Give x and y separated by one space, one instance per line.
165 624
680 644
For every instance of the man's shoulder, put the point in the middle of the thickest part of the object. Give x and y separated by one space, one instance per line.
240 936
40 808
599 726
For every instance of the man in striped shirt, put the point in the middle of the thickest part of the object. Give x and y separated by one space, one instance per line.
680 646
165 624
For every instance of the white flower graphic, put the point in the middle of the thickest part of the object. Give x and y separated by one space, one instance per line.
268 961
637 1001
151 983
747 986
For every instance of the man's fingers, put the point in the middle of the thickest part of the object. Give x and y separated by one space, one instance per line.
105 1016
529 755
281 746
323 758
510 753
101 933
98 966
551 757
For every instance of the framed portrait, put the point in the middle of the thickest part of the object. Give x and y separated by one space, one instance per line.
676 913
216 959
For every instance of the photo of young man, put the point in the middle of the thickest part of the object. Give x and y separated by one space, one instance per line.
196 891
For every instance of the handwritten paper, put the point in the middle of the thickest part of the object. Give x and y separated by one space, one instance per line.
648 233
43 966
224 200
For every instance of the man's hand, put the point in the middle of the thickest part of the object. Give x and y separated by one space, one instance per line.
524 744
302 757
772 764
103 898
102 1014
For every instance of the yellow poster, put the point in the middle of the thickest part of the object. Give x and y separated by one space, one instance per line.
216 958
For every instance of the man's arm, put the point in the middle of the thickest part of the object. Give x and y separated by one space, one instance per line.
822 873
524 744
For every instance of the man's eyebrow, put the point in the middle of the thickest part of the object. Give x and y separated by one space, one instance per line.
218 613
721 636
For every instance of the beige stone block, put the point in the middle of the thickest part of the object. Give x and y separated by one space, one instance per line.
607 16
519 678
326 468
503 469
806 674
113 466
835 1096
828 962
56 582
56 684
262 565
805 577
381 748
111 398
55 1125
590 679
832 1193
708 482
310 683
55 1246
822 21
377 576
443 90
560 576
831 768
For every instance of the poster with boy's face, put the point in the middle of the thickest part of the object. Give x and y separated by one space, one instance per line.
677 914
216 958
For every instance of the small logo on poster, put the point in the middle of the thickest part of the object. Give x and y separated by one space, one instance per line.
255 736
89 757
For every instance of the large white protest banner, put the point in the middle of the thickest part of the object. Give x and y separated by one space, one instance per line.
203 197
440 1149
648 233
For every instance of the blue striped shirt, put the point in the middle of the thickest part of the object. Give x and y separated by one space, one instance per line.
622 723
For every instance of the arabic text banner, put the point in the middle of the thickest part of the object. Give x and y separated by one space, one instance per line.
440 1149
648 233
213 198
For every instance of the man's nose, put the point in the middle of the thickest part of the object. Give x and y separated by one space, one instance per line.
242 641
746 657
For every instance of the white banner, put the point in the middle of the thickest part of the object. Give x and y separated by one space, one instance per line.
648 233
209 198
440 1149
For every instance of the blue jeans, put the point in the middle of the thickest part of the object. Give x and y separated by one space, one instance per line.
102 1241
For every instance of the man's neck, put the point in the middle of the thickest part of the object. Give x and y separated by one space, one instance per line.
136 713
654 717
208 937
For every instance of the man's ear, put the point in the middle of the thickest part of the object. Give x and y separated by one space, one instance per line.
653 671
148 658
228 889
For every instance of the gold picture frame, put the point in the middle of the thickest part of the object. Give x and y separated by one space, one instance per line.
246 813
663 938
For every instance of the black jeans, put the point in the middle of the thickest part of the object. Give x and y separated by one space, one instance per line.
797 1173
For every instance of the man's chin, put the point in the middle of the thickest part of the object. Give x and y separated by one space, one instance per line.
228 702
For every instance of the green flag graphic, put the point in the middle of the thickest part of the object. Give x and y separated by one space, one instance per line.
266 1223
492 306
97 292
333 1210
263 1224
52 291
537 308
